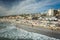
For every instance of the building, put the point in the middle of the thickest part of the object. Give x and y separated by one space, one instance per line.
59 11
58 15
52 12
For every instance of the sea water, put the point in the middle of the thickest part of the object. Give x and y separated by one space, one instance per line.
8 31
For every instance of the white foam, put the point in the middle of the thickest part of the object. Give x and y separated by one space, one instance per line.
13 32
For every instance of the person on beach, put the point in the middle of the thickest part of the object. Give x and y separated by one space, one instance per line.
32 25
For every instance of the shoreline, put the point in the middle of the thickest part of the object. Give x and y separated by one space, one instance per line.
39 30
32 23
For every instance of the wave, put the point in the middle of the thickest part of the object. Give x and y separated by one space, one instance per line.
10 32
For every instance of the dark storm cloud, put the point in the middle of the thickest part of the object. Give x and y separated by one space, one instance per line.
9 3
6 6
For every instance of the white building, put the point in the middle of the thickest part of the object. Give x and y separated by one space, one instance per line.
50 12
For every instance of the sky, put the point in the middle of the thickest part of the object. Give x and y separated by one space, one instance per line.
14 7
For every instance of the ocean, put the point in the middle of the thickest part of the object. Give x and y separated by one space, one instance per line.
8 31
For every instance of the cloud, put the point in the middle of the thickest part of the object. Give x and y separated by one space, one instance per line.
3 11
29 6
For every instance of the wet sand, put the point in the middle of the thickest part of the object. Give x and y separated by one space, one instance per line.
47 32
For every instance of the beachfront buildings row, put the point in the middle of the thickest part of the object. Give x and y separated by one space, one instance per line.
51 13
